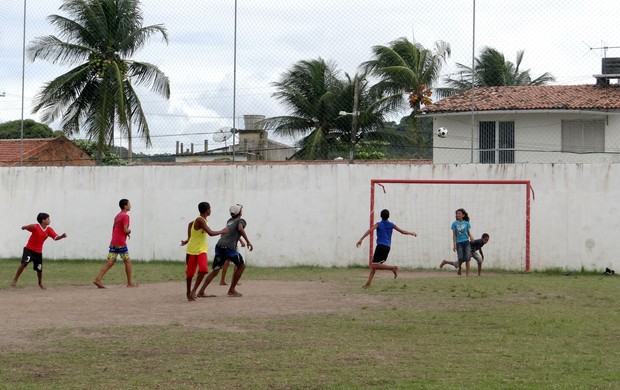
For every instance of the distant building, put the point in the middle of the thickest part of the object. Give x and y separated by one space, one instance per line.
57 151
524 124
249 144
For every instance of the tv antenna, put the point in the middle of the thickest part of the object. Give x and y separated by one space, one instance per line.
223 135
603 48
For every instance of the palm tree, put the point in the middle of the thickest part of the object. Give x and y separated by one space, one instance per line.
97 94
405 67
315 94
310 90
491 69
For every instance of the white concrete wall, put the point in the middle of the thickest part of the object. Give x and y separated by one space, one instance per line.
536 137
297 214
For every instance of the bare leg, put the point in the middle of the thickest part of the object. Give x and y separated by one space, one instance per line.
192 294
370 276
224 269
467 268
479 268
210 276
20 269
459 271
40 279
188 288
106 267
235 280
130 282
445 262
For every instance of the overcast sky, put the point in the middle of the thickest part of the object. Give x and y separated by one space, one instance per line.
563 37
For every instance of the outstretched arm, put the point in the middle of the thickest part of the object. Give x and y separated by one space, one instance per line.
359 242
401 231
203 225
64 235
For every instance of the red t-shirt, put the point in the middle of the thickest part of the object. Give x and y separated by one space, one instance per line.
38 237
118 229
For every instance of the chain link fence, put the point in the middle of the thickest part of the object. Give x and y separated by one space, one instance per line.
223 58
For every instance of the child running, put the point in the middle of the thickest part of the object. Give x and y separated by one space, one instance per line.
475 247
384 242
196 254
33 251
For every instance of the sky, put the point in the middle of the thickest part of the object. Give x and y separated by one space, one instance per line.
210 89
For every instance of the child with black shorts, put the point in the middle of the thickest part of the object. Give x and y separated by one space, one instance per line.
384 230
33 251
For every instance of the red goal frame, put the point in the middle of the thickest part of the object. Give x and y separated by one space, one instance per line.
525 183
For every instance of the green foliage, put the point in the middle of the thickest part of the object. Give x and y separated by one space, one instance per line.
32 129
491 69
98 93
108 156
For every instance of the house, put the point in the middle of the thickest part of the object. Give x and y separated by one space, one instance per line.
530 124
249 144
57 151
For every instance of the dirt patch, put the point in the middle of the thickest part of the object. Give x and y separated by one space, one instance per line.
27 310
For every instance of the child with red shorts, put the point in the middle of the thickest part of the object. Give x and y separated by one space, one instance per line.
196 253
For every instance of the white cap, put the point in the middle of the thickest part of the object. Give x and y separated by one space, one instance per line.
235 209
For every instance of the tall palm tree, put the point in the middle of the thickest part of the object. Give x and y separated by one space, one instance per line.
98 94
315 94
492 69
310 90
405 67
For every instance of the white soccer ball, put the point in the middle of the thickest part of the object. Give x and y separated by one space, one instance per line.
442 132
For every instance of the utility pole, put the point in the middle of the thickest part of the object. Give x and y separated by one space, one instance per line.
354 119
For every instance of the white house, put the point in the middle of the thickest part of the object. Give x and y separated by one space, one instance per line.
529 124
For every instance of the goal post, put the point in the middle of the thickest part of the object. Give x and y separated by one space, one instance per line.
500 208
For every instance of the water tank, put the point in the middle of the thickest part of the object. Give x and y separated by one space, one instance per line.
252 122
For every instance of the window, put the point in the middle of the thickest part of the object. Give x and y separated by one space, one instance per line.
496 142
583 136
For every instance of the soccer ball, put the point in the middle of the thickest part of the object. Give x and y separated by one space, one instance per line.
442 132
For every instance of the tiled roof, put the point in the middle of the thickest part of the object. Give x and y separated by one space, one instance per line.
11 148
57 151
549 97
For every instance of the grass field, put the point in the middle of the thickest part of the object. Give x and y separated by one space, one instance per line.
424 330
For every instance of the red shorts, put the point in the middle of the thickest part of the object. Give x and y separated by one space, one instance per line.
196 261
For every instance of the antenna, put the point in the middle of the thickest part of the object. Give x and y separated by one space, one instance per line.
223 134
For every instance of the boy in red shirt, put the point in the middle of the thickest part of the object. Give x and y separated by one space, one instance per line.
118 245
33 251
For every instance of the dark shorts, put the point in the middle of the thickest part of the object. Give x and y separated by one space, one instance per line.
36 258
223 254
381 254
463 251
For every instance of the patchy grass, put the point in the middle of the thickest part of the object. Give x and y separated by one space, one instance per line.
500 331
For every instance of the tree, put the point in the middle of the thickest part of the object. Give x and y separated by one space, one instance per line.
99 92
32 129
315 94
490 70
405 67
310 90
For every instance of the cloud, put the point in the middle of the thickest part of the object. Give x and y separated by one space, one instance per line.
558 36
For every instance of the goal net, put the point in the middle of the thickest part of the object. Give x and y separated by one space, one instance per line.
427 207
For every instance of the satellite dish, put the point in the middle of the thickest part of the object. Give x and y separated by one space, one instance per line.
222 134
